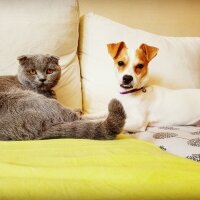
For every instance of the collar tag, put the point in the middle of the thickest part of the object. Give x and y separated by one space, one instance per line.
144 90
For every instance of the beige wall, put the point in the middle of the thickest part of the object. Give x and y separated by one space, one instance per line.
166 17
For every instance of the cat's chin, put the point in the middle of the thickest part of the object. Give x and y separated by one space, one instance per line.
40 84
44 86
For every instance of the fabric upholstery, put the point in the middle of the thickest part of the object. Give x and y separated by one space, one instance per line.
177 64
46 27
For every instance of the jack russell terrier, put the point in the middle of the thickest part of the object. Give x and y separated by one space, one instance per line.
150 105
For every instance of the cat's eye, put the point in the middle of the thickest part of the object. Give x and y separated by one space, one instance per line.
139 66
33 72
121 63
49 71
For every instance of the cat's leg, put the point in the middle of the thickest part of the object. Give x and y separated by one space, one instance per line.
78 111
107 129
69 115
17 127
58 111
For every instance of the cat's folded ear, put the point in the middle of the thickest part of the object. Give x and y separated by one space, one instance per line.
23 59
54 59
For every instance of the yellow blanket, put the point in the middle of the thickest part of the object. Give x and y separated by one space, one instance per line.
86 169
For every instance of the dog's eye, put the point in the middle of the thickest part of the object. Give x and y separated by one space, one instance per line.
120 63
33 72
140 66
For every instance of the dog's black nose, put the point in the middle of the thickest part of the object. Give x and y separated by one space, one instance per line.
127 79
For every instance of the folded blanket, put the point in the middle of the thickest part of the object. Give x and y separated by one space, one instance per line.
125 168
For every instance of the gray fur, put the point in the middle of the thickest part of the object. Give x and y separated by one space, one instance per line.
27 115
41 82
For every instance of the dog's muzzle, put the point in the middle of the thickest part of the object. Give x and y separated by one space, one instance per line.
126 82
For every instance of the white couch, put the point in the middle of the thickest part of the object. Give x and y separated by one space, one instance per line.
90 84
82 169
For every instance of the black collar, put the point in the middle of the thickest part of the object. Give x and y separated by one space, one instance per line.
134 90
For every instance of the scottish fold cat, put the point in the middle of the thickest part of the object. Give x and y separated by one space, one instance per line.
39 73
26 112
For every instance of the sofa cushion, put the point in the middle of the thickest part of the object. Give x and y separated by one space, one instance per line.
32 27
177 64
183 141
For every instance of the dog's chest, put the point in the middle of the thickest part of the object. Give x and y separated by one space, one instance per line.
132 104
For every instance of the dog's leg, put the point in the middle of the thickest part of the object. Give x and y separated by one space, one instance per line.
135 128
143 128
136 124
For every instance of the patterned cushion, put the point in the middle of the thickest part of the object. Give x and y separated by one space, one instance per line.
183 141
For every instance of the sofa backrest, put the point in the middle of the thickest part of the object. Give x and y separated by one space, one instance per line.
171 17
32 27
177 64
29 27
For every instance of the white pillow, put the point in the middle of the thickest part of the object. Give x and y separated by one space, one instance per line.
32 27
177 64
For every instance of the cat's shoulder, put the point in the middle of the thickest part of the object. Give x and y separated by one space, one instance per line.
8 82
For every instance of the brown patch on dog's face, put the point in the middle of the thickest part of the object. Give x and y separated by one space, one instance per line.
141 67
149 51
114 49
121 62
118 51
144 54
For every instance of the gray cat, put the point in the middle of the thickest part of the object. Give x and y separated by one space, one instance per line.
25 114
39 73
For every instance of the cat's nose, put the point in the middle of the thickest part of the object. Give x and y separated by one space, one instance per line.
42 80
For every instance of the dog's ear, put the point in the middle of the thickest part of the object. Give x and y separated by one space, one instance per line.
115 48
149 51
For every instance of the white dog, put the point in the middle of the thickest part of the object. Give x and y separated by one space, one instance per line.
148 104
